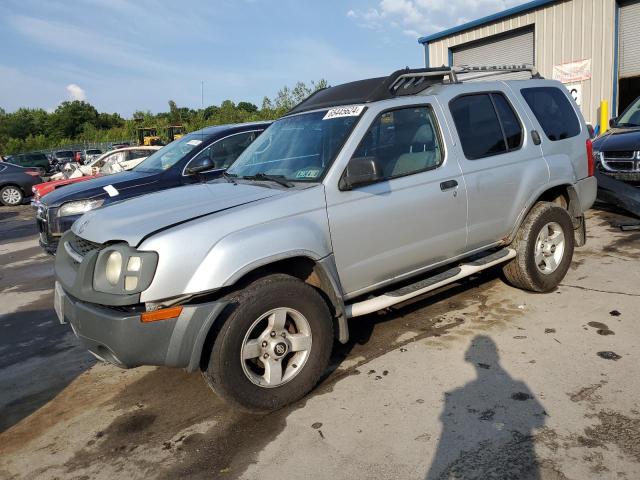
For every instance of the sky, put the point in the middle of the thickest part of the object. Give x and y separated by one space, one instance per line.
123 56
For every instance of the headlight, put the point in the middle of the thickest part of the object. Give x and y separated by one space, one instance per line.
114 267
122 270
79 207
597 156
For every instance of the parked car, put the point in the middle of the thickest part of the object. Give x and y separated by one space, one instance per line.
617 151
91 154
107 164
16 183
61 157
113 161
196 157
36 160
364 196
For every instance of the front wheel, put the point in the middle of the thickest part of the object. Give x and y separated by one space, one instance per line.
273 345
544 246
11 196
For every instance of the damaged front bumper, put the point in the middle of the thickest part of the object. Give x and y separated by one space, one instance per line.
118 336
618 193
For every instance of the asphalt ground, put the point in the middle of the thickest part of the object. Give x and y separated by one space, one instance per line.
477 381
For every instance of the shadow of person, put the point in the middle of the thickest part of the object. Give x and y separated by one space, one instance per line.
488 424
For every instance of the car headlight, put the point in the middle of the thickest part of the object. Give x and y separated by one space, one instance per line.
597 156
120 269
79 207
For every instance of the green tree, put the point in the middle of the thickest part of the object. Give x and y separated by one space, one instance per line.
69 117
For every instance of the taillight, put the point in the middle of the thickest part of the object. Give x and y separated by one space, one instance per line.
33 173
591 165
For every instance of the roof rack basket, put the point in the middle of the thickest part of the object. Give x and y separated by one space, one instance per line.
413 79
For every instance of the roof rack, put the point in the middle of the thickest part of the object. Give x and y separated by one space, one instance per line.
400 83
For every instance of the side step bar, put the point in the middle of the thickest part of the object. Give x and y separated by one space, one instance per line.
421 287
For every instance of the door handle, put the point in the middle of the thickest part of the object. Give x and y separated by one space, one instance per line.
448 185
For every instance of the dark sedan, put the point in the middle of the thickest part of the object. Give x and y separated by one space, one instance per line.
16 183
617 151
196 157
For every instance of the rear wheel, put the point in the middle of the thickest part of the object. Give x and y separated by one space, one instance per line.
11 196
273 345
544 246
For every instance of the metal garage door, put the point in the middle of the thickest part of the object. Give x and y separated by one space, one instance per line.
629 43
516 48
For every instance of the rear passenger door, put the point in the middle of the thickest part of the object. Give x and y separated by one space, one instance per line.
563 137
501 164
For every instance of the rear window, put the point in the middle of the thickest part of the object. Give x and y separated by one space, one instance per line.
486 124
93 152
64 154
554 112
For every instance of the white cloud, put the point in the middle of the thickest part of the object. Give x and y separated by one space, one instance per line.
422 17
75 92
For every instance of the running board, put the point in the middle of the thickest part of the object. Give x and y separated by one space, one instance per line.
421 287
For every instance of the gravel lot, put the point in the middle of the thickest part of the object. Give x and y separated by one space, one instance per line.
479 381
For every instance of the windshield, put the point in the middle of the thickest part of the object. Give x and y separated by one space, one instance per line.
64 154
299 148
168 156
93 152
631 116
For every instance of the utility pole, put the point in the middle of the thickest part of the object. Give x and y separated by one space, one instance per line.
202 94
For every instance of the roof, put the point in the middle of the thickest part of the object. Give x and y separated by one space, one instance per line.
369 90
525 7
213 130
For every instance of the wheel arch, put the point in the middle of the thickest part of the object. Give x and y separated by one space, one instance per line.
565 195
321 274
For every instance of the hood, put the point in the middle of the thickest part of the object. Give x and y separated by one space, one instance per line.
134 219
619 139
94 188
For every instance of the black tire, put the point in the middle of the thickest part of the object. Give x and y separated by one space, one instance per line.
523 272
225 373
11 196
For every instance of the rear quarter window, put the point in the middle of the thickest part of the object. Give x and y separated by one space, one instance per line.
553 111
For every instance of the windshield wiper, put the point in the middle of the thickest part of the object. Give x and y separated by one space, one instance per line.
229 177
280 179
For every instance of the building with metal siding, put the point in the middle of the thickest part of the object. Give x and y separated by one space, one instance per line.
555 33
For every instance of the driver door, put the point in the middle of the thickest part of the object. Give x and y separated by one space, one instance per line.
413 217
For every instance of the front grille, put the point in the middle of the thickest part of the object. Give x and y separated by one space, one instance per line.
622 161
81 246
621 166
627 155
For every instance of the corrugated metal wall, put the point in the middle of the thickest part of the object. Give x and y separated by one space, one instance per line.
566 31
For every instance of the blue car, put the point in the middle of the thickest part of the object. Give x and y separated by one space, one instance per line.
196 157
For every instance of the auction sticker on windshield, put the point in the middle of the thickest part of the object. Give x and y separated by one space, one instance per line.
338 112
195 143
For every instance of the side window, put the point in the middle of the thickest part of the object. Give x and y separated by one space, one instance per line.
554 112
486 125
403 142
510 123
133 154
223 153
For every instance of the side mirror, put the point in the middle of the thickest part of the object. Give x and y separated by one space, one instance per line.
202 166
613 122
360 171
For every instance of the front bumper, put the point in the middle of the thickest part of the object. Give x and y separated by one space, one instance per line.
117 336
630 177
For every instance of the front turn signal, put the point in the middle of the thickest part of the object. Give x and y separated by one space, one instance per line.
161 314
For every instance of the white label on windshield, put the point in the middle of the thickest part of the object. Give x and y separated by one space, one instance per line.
195 143
111 190
337 112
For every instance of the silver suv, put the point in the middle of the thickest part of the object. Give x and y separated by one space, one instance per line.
362 197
